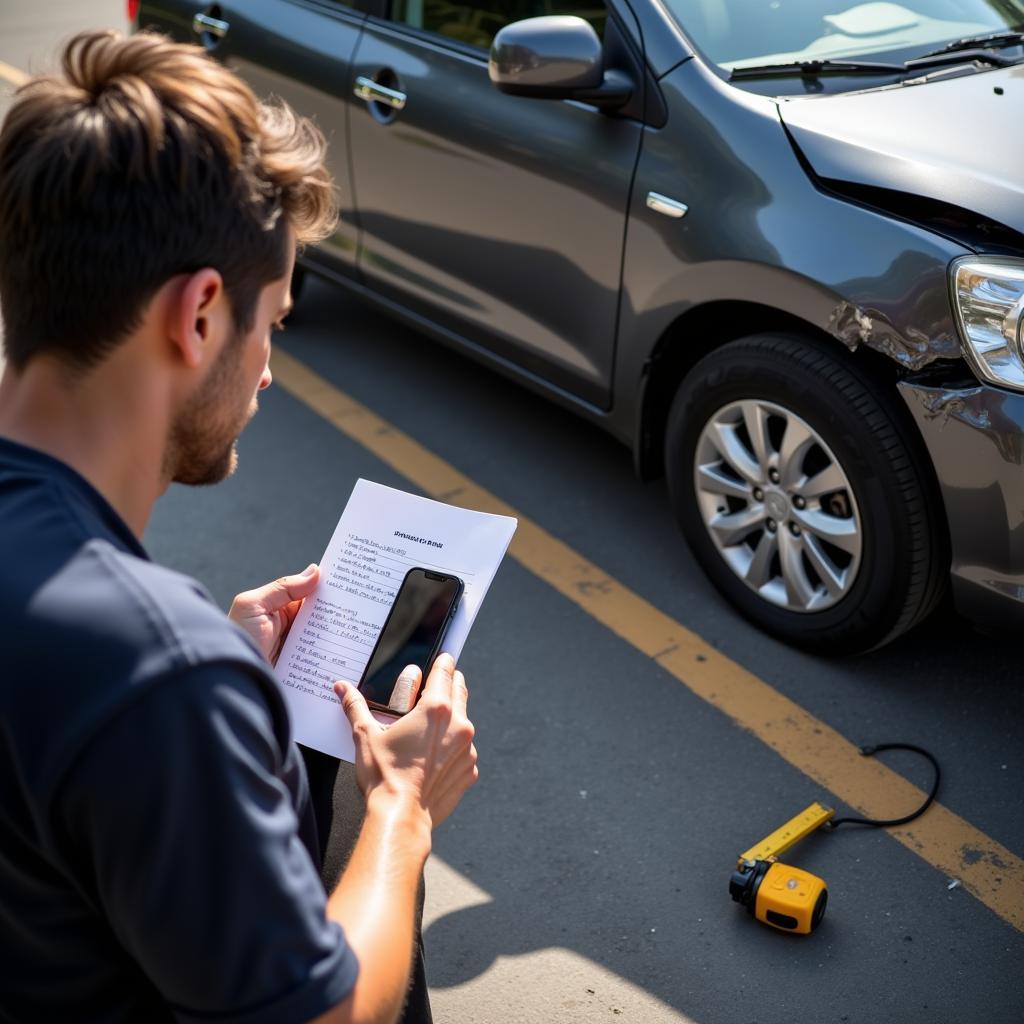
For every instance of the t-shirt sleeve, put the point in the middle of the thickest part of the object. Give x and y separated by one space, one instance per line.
178 815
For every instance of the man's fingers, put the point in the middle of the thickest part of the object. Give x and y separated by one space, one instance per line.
441 678
354 705
279 594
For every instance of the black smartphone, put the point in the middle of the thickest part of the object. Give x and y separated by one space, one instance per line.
412 635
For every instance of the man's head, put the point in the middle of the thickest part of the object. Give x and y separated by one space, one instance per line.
148 173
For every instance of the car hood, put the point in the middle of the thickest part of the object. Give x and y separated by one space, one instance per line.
956 140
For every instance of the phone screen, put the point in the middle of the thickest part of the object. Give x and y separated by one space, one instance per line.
412 634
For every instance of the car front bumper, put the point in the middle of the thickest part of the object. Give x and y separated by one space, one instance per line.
975 437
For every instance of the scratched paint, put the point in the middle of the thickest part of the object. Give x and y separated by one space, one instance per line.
962 405
911 348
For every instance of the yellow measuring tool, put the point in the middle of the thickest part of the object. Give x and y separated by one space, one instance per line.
779 895
792 899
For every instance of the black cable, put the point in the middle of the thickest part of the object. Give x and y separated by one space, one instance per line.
878 822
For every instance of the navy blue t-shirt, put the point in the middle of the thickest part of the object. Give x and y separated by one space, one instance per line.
158 855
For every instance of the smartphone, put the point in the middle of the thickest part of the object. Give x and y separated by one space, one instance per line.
412 635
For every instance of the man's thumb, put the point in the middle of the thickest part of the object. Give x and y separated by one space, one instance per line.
353 703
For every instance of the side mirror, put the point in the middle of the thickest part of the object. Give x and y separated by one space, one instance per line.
558 57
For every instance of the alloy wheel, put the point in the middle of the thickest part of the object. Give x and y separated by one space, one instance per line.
778 505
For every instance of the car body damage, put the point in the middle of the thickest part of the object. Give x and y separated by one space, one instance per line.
974 434
886 151
897 139
911 348
967 405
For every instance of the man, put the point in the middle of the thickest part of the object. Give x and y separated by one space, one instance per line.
158 857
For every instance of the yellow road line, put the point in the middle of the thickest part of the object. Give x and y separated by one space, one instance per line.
15 76
987 869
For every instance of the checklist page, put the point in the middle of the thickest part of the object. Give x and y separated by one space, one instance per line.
382 534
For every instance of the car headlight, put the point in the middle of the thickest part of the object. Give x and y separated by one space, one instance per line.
988 296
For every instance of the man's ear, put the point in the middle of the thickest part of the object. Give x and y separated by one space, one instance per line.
198 314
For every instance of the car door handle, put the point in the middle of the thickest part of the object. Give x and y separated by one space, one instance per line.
205 23
373 92
663 204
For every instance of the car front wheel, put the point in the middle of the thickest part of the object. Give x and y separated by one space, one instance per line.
801 495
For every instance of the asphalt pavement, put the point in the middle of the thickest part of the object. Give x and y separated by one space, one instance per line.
584 878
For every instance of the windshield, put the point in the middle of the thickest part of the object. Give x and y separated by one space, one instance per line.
744 33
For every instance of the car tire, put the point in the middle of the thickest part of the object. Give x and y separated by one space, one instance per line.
836 571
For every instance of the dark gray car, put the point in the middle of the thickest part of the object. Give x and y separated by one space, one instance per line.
776 246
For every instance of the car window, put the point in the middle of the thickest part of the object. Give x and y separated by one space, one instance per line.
476 22
741 33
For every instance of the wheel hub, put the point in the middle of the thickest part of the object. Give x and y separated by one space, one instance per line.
778 505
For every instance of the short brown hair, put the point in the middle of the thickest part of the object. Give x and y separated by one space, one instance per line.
144 160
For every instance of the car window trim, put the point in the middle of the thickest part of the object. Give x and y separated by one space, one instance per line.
337 8
428 38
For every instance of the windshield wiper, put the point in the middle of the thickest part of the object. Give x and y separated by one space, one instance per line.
967 49
993 41
813 68
965 56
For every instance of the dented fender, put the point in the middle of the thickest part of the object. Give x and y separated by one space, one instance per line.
974 434
910 346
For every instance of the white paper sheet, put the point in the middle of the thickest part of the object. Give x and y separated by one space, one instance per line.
382 534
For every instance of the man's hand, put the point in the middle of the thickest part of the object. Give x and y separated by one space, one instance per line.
427 757
267 613
413 774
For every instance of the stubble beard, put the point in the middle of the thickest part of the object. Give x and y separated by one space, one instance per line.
202 448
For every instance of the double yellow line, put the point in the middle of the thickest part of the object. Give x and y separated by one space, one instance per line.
986 868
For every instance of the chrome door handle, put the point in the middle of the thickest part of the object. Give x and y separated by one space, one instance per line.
214 26
371 91
663 204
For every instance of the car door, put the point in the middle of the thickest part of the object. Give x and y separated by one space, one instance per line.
300 50
499 218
